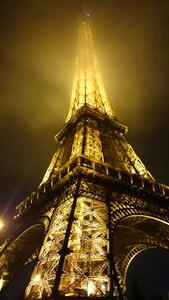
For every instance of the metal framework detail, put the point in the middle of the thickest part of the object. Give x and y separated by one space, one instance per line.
88 87
93 147
86 268
43 277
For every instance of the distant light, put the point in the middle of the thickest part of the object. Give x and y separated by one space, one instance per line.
1 283
1 224
37 278
87 14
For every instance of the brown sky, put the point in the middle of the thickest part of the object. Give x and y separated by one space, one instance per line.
37 53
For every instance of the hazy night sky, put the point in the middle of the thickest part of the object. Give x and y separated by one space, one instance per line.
38 41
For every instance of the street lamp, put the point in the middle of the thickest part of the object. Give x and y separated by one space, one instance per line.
1 224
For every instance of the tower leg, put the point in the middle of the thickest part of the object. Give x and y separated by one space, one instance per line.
115 288
64 251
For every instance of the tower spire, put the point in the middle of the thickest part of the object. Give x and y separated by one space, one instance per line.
89 103
88 89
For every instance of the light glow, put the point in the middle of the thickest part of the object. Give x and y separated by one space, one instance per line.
37 278
88 258
1 283
1 224
88 87
103 287
90 288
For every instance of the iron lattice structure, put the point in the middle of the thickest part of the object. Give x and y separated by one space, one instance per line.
96 208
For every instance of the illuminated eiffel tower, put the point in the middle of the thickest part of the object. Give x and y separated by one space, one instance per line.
96 208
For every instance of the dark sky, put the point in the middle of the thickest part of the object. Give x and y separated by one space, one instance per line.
38 40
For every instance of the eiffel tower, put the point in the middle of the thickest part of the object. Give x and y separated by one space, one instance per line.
96 208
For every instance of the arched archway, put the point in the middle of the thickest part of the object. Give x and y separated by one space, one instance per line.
148 274
134 234
20 252
16 287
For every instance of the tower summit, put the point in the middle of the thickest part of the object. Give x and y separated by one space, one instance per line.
88 89
89 96
96 208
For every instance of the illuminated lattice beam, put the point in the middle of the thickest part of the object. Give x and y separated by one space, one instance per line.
86 267
88 87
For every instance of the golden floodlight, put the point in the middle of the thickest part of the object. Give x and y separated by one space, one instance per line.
37 278
1 283
1 224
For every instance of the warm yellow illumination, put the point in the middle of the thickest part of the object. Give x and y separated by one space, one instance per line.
37 278
103 287
88 90
88 87
1 224
1 283
88 244
71 294
90 288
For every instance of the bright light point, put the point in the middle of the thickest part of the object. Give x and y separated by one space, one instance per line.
90 288
37 278
103 286
1 224
1 283
87 14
